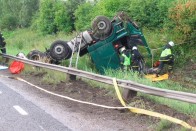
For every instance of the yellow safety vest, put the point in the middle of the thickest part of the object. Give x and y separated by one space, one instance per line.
164 54
126 60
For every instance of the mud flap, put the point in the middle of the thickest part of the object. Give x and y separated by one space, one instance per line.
153 77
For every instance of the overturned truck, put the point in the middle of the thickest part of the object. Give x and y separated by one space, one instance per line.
102 43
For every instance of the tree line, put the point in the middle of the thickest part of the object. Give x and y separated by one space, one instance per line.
52 16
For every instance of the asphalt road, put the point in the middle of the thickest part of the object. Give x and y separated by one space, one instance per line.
50 113
19 114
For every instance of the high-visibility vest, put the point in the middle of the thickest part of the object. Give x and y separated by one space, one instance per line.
166 55
127 60
166 52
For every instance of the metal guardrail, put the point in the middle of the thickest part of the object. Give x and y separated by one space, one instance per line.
182 96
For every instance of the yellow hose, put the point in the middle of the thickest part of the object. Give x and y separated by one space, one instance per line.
150 113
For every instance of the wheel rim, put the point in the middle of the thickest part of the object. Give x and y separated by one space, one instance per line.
59 49
101 25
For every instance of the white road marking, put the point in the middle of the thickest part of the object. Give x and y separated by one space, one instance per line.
42 128
0 92
20 110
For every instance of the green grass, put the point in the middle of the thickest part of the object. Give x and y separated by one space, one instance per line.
48 76
25 40
163 125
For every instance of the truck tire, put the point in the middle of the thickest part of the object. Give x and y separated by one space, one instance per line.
142 68
60 50
102 27
35 55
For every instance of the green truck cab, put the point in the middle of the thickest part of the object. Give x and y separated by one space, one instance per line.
124 32
102 42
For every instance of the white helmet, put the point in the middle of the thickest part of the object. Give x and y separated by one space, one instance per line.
121 49
171 43
134 48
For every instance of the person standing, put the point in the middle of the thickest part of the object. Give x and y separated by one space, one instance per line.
136 57
3 49
125 58
2 44
166 58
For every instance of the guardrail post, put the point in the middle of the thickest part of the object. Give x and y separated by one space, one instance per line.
127 93
71 77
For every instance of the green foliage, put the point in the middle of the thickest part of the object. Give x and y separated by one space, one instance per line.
17 13
71 6
9 22
150 13
183 16
85 13
83 16
62 18
46 17
111 7
163 125
52 17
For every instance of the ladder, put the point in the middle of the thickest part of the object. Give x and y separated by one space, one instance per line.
74 61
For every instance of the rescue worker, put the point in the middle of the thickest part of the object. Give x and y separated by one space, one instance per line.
166 58
136 57
2 43
125 58
3 48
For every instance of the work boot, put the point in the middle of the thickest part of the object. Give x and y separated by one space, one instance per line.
158 71
157 75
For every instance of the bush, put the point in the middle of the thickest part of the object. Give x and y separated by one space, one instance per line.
151 13
183 16
62 18
18 13
83 16
52 17
9 22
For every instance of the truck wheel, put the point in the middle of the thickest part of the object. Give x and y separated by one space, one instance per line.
35 55
59 50
101 27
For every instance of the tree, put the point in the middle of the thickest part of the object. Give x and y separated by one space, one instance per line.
53 17
183 17
151 13
62 18
71 6
20 11
46 17
83 22
85 13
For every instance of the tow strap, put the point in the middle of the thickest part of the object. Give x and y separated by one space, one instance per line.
150 113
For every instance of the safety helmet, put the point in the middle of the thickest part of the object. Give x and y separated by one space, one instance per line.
134 48
171 43
121 49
